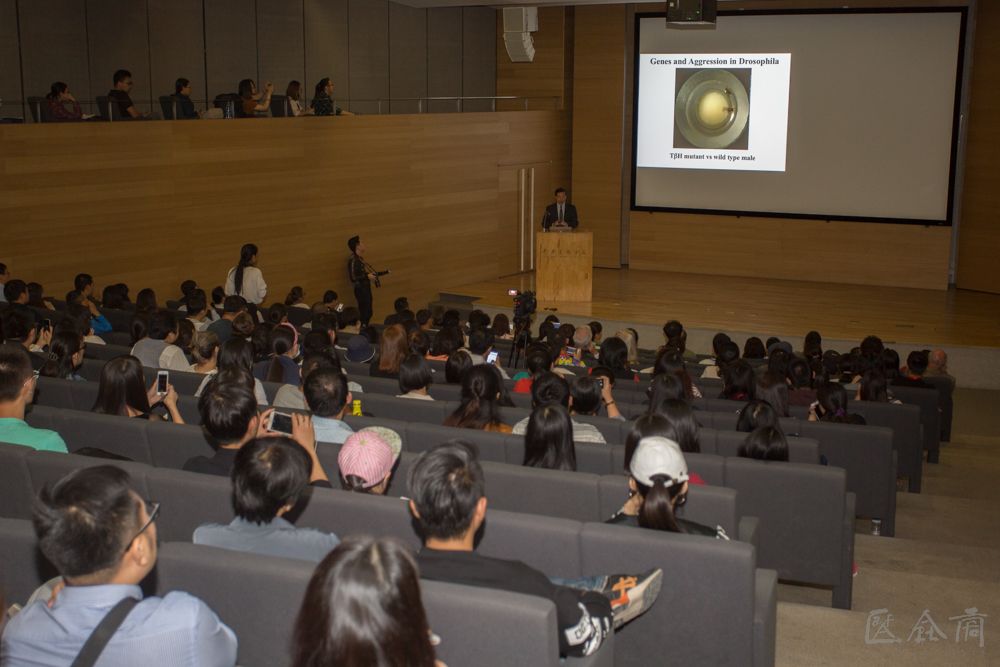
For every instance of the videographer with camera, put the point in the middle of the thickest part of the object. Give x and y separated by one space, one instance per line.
362 275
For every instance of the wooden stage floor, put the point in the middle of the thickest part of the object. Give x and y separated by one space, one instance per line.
782 308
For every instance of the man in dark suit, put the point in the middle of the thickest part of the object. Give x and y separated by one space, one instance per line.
561 215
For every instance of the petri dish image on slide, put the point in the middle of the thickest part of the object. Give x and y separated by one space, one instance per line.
712 108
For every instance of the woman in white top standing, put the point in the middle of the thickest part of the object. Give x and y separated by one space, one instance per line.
245 279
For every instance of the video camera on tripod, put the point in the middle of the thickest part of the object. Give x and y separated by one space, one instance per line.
525 304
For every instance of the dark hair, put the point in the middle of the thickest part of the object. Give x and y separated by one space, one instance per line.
917 361
349 316
326 392
773 389
586 394
662 388
197 302
234 303
218 295
450 318
185 334
354 241
538 358
281 340
245 88
277 313
85 521
393 348
423 316
718 340
18 323
670 361
35 295
247 253
414 373
754 348
595 329
479 408
657 509
236 353
872 347
122 386
644 427
329 296
15 370
832 399
13 289
874 387
115 296
480 340
82 281
321 89
138 328
295 295
316 341
738 381
121 75
614 355
162 323
548 440
145 301
446 341
226 409
294 90
458 364
321 359
244 326
55 90
799 373
549 388
445 484
72 297
362 607
765 443
419 342
682 427
268 474
180 84
756 414
64 345
501 325
778 362
558 190
890 364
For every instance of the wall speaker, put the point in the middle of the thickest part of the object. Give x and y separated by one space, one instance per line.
518 24
691 12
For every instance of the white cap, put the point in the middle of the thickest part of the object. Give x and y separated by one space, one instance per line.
658 456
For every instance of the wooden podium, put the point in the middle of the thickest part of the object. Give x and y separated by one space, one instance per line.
564 266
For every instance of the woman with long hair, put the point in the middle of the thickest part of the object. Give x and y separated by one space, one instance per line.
755 414
479 407
614 355
294 95
57 99
296 298
280 365
362 608
662 388
738 381
252 102
236 354
548 441
122 391
65 356
648 426
765 443
393 348
145 301
458 364
831 406
36 297
671 361
658 483
245 279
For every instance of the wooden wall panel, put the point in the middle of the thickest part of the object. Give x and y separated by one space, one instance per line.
280 45
444 57
117 38
10 55
327 41
407 56
231 44
369 54
54 48
177 47
598 126
544 80
979 234
156 203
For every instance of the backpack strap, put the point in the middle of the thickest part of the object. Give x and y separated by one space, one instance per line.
102 634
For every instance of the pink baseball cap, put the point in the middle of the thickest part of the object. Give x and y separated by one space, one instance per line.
367 454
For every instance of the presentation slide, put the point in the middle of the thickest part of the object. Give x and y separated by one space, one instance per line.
832 114
714 111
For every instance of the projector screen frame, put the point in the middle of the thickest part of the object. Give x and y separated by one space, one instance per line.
948 221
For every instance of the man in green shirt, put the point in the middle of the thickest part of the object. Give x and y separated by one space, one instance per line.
17 390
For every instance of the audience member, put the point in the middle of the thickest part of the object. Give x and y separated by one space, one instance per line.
293 95
479 407
279 364
253 103
20 327
367 459
415 378
119 96
245 279
596 332
363 607
269 476
183 107
37 298
230 417
84 284
446 341
458 364
501 327
449 504
551 389
773 388
322 103
800 391
937 364
916 364
65 356
728 354
754 349
614 355
116 297
548 439
16 292
158 350
198 313
122 391
538 359
145 301
765 443
17 391
329 399
223 327
101 537
393 348
662 388
738 382
658 482
682 426
831 406
236 355
205 351
755 414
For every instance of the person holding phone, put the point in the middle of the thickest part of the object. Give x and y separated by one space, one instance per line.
122 391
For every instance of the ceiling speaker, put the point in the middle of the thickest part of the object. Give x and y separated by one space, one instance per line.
691 12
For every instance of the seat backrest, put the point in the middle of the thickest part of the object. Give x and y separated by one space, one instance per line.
24 567
49 467
39 108
491 446
112 433
16 492
188 500
167 106
708 505
516 536
705 612
557 493
383 405
710 467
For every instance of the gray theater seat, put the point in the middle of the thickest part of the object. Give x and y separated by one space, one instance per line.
15 482
569 495
24 567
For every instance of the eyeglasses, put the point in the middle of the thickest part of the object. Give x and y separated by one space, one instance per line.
152 509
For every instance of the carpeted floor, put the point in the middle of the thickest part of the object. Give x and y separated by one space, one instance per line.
944 559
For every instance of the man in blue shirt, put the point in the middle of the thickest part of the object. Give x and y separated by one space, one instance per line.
328 397
269 477
102 538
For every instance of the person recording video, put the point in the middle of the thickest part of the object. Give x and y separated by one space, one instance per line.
560 215
361 275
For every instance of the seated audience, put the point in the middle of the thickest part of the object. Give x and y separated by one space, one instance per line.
367 459
21 328
773 388
728 354
122 391
269 476
718 341
480 346
16 292
329 399
831 406
236 354
873 387
359 350
550 389
145 301
738 382
37 298
587 395
675 338
296 298
205 351
322 103
682 426
62 106
648 426
538 359
17 391
65 356
765 443
98 322
418 342
937 364
614 355
363 607
116 297
293 95
291 396
254 103
283 349
800 391
183 105
223 327
119 96
350 320
393 348
548 440
754 349
198 312
218 299
662 388
78 318
479 407
658 481
449 504
916 364
415 378
501 327
458 364
671 361
101 537
230 417
158 350
755 414
446 341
